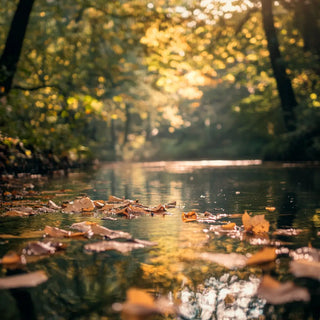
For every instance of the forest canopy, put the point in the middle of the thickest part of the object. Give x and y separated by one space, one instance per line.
154 80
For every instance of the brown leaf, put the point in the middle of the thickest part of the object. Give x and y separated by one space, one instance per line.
171 204
228 260
56 232
17 213
123 247
262 256
189 217
10 257
305 268
278 293
93 228
115 199
31 279
141 305
42 248
79 205
256 224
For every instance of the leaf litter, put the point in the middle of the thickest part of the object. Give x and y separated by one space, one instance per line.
254 228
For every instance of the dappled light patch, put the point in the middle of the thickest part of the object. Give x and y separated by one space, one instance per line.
276 292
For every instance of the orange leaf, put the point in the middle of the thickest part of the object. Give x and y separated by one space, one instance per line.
262 256
189 217
256 224
229 226
11 257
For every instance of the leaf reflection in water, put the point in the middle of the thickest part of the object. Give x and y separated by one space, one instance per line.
210 302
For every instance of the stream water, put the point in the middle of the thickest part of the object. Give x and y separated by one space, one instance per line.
84 285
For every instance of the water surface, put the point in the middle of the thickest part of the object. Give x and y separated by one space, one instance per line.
86 286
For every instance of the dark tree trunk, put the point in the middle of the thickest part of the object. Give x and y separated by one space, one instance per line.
287 97
307 17
127 124
13 46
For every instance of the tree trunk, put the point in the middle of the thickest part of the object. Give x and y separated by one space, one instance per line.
287 97
13 46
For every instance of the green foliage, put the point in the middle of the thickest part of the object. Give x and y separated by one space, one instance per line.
149 80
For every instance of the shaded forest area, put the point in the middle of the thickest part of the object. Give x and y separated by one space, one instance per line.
135 80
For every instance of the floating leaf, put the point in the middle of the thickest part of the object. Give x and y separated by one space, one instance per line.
305 268
10 257
278 293
189 217
270 209
18 213
141 305
171 204
53 205
79 205
262 256
123 247
256 224
230 261
229 226
115 199
93 228
56 232
31 279
42 248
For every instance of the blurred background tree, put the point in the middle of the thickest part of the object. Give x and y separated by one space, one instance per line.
175 79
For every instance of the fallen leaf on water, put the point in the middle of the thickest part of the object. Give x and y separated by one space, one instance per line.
262 256
229 299
10 257
256 224
93 228
141 305
230 261
53 205
79 205
305 268
115 199
171 204
24 235
56 232
18 213
278 293
270 209
123 247
189 217
31 279
42 248
229 226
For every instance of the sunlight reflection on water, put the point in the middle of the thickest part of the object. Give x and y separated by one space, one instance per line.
224 298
